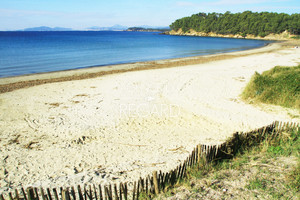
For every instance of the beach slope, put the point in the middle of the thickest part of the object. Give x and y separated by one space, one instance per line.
120 126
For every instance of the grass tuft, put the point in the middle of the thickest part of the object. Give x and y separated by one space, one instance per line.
293 178
297 37
279 86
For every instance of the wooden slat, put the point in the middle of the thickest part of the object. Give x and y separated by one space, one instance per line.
116 192
138 190
147 185
85 194
49 194
10 196
17 194
125 190
73 193
155 182
90 193
142 184
65 194
79 192
43 194
24 193
36 194
30 193
55 194
106 192
134 191
95 192
120 190
100 192
110 191
61 192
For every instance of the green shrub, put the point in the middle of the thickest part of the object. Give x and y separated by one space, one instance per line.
279 86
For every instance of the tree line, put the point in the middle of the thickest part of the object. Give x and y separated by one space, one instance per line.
254 23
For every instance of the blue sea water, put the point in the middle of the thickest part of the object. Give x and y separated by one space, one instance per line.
35 52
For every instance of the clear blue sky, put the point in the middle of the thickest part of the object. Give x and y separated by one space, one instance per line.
79 14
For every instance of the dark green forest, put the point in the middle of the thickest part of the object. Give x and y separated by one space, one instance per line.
254 23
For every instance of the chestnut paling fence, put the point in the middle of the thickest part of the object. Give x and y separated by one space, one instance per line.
157 181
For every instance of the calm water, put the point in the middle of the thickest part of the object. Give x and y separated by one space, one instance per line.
35 52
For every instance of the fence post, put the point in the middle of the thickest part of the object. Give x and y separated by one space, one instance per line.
120 190
55 194
134 188
100 192
30 193
43 193
73 193
95 192
116 192
49 194
125 191
17 194
65 195
24 194
155 182
10 196
79 192
138 190
36 193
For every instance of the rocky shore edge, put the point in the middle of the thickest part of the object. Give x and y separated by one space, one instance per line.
282 36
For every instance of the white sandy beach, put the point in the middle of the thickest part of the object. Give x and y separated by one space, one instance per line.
122 126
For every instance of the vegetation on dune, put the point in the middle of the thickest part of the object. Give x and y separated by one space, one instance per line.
253 23
279 86
267 170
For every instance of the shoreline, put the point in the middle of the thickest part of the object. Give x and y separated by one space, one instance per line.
284 36
8 84
115 63
93 128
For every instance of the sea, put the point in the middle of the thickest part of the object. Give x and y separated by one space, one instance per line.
38 52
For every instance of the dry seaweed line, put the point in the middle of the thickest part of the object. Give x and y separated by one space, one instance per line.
158 181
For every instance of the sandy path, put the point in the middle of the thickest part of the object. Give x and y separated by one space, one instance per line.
122 126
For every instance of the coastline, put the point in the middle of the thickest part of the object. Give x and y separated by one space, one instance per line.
107 125
8 84
285 36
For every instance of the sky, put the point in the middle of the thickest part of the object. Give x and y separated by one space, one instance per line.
80 14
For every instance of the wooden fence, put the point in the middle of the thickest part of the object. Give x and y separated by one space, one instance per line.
157 181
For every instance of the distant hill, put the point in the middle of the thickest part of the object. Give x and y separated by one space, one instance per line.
46 28
98 28
110 28
125 28
154 29
243 24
